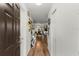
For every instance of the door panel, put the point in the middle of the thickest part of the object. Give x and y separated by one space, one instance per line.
2 30
9 31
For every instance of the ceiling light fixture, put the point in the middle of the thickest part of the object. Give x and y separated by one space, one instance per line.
39 4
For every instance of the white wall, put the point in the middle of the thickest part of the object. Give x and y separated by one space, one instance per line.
64 29
24 32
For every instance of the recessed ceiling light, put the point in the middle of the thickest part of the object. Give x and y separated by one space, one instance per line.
39 4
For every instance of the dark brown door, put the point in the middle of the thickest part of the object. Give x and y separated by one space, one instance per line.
9 30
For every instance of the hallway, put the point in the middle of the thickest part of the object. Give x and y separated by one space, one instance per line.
40 48
62 21
39 29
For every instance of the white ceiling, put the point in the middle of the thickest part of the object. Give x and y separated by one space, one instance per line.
39 14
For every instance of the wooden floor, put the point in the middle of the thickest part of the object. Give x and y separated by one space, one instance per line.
41 47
